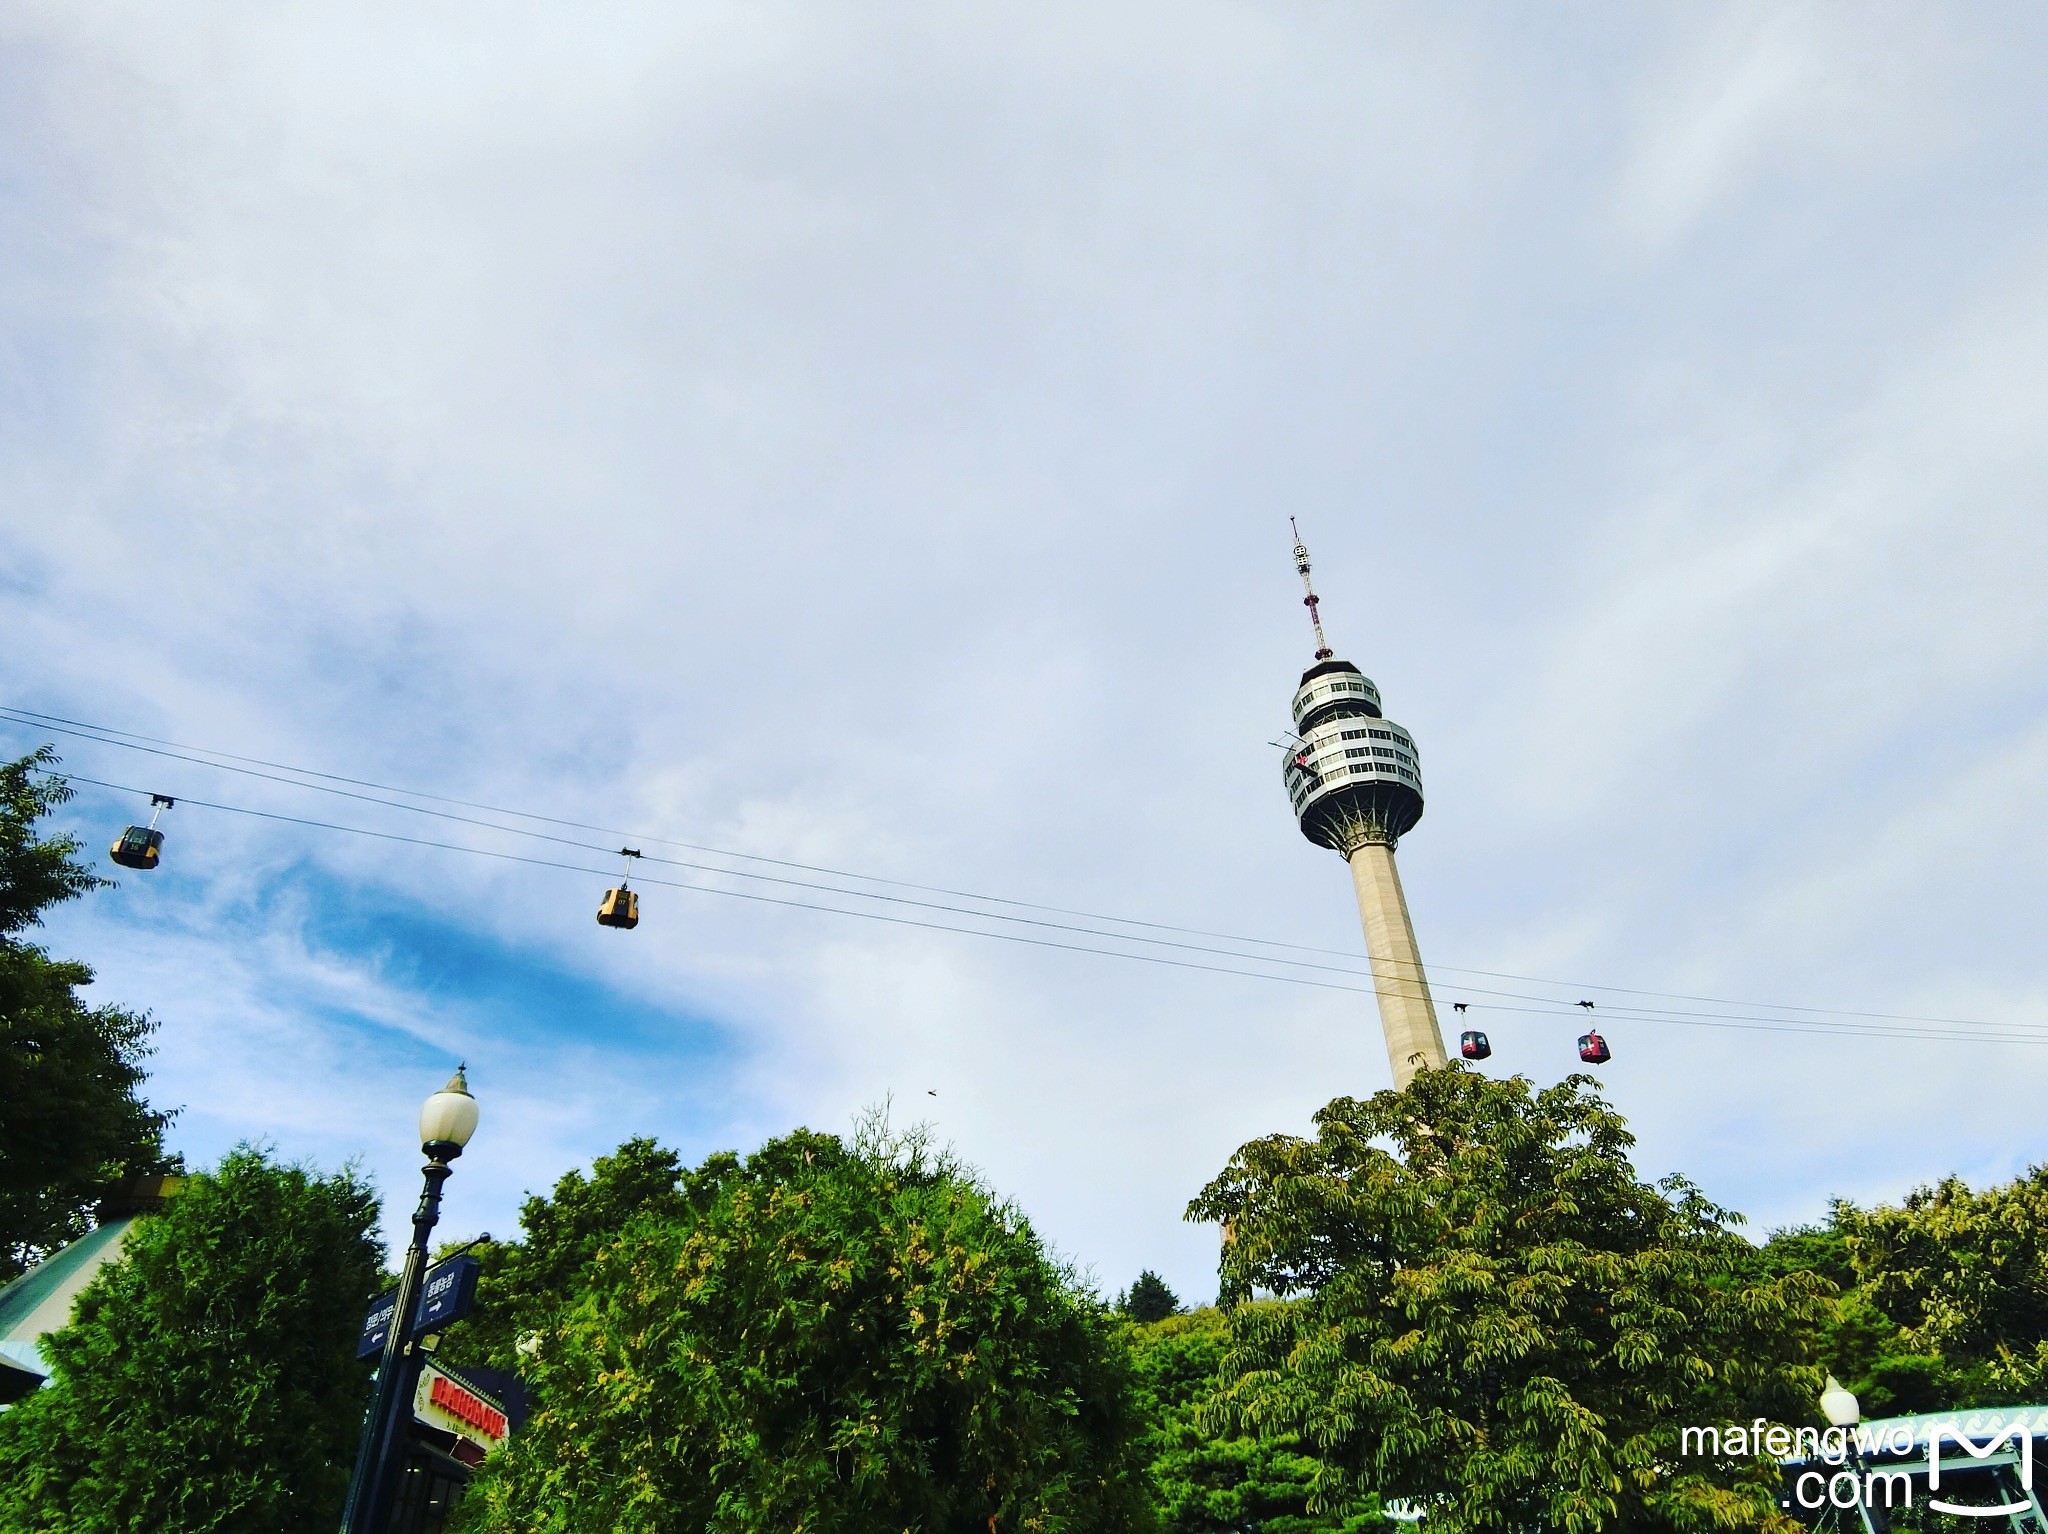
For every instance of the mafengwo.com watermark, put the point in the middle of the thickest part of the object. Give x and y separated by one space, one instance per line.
1832 1467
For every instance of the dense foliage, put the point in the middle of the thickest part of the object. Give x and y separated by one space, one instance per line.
1494 1318
525 1281
1944 1296
208 1379
1205 1482
825 1336
71 1115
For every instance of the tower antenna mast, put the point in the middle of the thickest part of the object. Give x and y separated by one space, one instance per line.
1312 602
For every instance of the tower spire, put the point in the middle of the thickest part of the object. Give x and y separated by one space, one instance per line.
1311 601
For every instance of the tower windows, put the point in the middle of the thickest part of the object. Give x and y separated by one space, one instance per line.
1350 750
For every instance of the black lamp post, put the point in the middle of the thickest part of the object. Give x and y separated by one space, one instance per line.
447 1121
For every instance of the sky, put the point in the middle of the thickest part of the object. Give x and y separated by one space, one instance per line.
865 436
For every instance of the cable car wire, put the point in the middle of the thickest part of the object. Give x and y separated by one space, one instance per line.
1979 1033
737 873
127 740
1035 922
103 735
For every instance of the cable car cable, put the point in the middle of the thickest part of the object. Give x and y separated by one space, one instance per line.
1346 969
54 721
906 921
901 900
105 733
102 733
1057 926
739 873
1979 1034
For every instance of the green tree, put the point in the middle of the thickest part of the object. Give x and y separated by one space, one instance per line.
1855 1339
1949 1305
1228 1483
208 1379
1149 1299
71 1115
522 1282
1492 1316
840 1338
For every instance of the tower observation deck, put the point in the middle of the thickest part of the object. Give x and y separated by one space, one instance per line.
1355 782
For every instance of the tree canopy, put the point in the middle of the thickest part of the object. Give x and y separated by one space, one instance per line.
1211 1482
208 1380
72 1118
1488 1314
524 1281
843 1338
1944 1296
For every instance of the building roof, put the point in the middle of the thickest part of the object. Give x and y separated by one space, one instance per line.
39 1301
1904 1436
1324 668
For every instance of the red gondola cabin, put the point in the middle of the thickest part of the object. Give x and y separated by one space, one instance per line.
1473 1046
1593 1049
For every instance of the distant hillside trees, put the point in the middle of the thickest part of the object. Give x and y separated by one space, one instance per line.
1149 1299
855 1337
208 1380
72 1118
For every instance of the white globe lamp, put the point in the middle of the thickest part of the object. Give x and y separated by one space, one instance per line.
448 1118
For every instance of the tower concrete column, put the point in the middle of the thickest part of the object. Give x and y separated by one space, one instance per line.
1407 1016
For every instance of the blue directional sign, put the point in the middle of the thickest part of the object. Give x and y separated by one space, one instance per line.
447 1294
377 1325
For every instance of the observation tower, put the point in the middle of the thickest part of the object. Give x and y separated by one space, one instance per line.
1352 776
